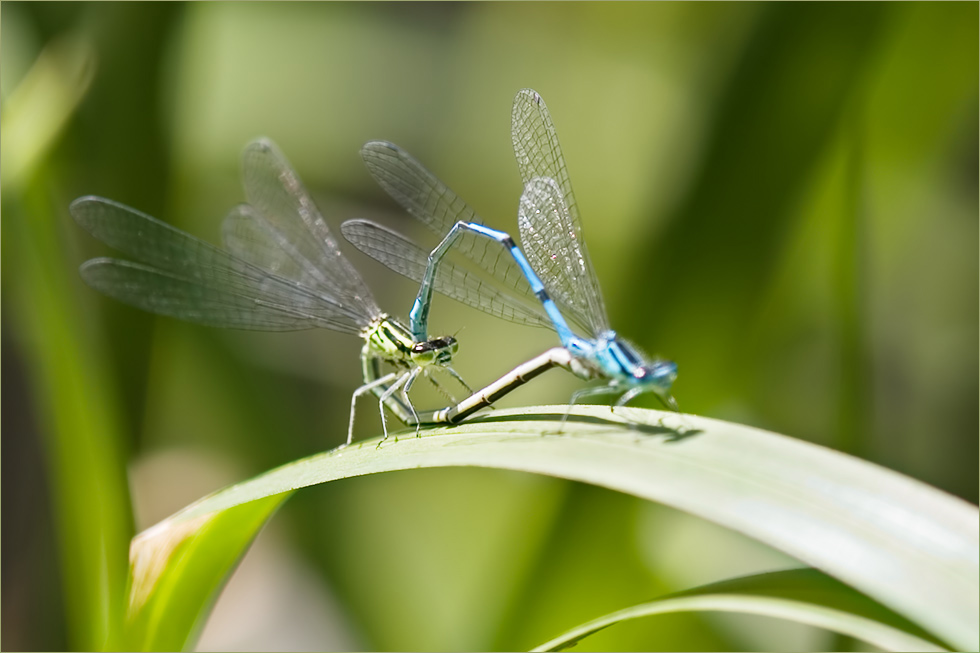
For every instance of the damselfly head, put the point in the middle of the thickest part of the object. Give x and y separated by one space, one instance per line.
435 351
655 377
636 366
658 373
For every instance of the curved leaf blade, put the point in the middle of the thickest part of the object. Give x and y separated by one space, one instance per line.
906 544
803 595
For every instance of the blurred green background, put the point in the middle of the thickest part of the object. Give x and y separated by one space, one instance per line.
780 197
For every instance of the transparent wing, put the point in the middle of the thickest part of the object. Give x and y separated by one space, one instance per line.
539 155
250 236
408 259
552 247
181 276
439 208
283 231
167 293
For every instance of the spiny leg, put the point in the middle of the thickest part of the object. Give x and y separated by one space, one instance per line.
456 376
668 401
429 374
586 392
391 390
441 388
357 393
630 394
414 374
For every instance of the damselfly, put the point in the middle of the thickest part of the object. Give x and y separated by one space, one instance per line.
552 235
281 270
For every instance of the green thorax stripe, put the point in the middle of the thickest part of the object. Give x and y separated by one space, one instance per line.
390 339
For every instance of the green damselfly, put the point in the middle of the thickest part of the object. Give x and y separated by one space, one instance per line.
281 270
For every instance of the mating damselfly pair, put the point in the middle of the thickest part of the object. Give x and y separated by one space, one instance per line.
282 269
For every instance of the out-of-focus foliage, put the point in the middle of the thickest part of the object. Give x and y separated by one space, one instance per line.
780 197
804 595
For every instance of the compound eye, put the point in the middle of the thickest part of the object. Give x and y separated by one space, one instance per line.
448 343
423 356
429 352
663 372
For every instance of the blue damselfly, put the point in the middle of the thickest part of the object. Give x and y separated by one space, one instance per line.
555 252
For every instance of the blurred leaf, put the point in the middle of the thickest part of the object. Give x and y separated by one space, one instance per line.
76 408
37 110
595 561
471 551
901 542
81 427
804 595
772 123
177 572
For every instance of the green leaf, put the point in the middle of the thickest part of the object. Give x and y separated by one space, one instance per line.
803 595
70 387
901 542
179 568
41 105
